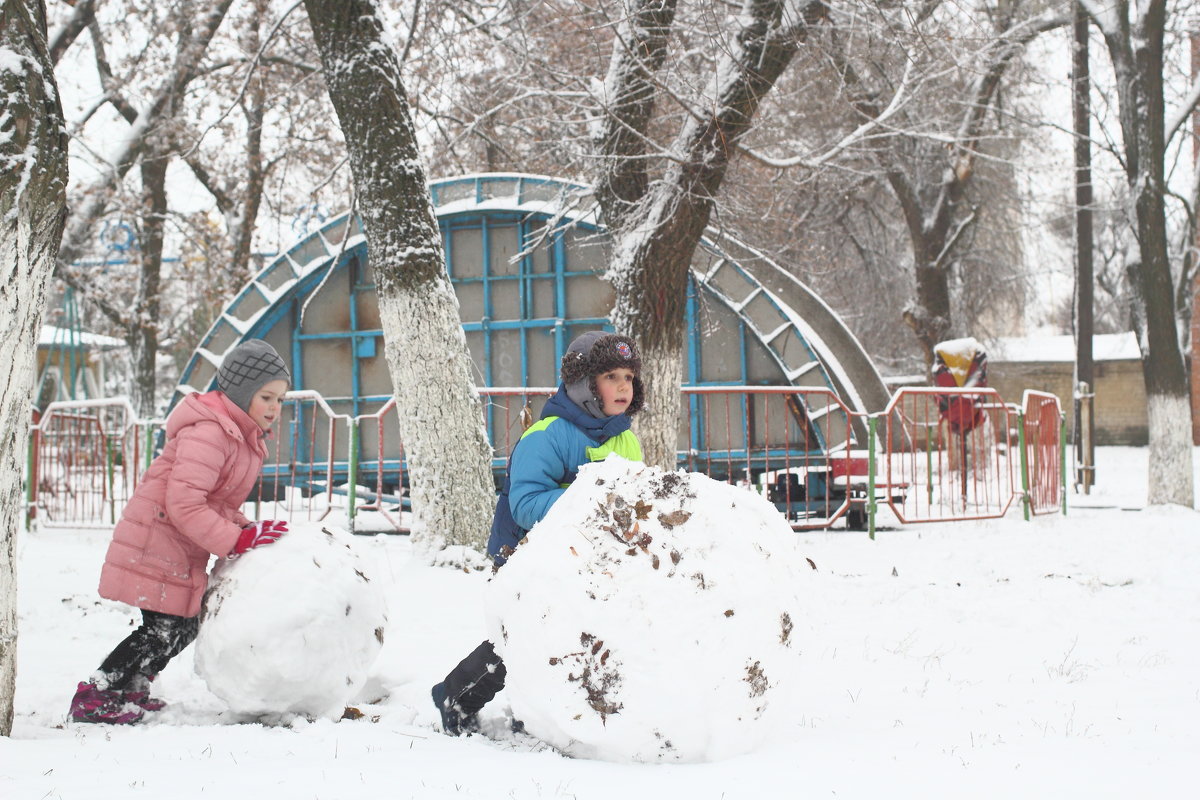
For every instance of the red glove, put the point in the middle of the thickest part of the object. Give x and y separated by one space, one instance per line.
259 533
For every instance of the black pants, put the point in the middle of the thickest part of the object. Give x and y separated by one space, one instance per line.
147 650
476 679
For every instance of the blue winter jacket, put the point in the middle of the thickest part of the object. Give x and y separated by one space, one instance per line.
545 461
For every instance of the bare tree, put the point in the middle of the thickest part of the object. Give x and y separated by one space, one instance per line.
441 420
33 179
657 224
930 152
149 146
234 94
911 96
1133 34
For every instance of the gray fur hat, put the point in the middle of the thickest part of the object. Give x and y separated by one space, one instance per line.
594 353
247 368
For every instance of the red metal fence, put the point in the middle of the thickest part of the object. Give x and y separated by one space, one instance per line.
85 458
950 468
1043 448
302 451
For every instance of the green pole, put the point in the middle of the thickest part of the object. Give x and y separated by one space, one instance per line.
1024 463
109 466
1062 460
872 433
148 455
31 480
928 467
352 473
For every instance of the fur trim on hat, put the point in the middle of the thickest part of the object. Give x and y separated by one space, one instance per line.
595 353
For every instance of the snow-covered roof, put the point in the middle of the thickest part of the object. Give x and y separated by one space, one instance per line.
52 335
1105 347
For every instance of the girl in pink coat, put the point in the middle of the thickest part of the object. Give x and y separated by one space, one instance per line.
186 508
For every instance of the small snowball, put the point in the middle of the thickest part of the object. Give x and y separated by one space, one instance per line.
292 627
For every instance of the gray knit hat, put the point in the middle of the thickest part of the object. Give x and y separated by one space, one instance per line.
247 368
595 353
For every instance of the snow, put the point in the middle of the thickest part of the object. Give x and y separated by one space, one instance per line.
51 335
991 659
963 349
1041 349
292 628
633 578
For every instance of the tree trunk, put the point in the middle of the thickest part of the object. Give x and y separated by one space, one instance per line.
33 180
141 327
1081 87
449 458
653 248
929 317
242 223
1137 55
242 232
639 49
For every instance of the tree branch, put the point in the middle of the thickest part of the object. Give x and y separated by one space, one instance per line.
189 55
62 38
639 48
104 70
855 136
249 74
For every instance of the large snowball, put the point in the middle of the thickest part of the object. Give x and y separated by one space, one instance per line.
292 627
651 617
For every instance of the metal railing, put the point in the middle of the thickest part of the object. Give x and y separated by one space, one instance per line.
85 458
1043 446
774 439
950 470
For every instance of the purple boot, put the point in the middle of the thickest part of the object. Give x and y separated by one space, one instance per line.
139 694
143 700
93 704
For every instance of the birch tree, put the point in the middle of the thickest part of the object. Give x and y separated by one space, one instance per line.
1133 34
33 179
441 423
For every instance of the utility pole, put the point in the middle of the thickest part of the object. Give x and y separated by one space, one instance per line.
1085 379
1195 326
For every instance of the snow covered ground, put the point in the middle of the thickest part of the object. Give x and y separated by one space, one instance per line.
1058 658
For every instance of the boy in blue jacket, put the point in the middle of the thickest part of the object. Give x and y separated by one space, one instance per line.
587 419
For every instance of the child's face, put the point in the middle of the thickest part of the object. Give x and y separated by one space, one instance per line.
267 403
615 389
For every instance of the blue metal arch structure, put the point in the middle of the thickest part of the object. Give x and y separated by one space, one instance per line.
525 254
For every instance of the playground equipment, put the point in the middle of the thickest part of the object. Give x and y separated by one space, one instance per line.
525 255
69 360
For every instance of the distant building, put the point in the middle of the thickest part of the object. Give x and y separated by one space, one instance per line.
69 364
1047 363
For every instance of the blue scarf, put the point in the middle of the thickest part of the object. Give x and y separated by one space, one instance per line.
598 430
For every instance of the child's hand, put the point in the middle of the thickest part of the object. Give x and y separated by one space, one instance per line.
259 533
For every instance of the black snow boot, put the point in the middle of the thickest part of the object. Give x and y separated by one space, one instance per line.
454 721
468 688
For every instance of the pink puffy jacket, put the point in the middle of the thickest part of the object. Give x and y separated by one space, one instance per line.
186 507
